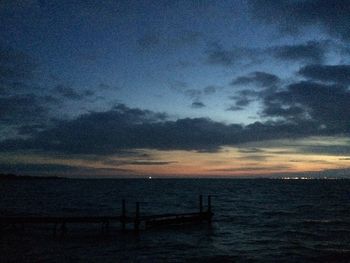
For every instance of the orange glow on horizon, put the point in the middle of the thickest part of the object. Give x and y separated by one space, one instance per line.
260 160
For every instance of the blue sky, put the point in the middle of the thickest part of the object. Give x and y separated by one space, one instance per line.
185 73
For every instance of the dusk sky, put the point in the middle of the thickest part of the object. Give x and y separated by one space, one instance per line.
174 88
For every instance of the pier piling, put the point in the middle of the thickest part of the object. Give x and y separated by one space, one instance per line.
200 204
123 217
137 218
210 214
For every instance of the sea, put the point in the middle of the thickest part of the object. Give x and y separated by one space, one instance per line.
255 220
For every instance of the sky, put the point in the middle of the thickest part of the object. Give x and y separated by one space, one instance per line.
189 88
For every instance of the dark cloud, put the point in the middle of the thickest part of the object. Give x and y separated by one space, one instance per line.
23 103
292 16
234 108
257 78
211 89
124 128
18 104
324 104
28 168
243 101
198 93
194 94
255 157
335 150
179 86
56 169
151 163
310 52
30 129
247 93
70 93
197 105
251 150
154 40
244 97
21 109
313 108
222 57
130 154
67 92
136 161
25 114
16 69
253 169
104 86
28 103
240 102
277 109
327 73
338 150
217 55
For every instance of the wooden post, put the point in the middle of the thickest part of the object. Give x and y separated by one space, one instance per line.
123 215
209 203
63 228
55 229
107 226
200 204
137 218
209 209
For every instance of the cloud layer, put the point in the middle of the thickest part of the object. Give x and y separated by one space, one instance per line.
123 128
292 16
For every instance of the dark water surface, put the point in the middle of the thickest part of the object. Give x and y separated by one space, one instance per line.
255 221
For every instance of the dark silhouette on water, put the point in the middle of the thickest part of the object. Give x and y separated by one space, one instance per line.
149 221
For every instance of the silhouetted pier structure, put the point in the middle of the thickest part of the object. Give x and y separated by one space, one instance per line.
137 222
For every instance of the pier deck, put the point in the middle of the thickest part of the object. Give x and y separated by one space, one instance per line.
148 221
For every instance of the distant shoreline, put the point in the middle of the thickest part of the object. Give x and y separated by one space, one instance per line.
11 176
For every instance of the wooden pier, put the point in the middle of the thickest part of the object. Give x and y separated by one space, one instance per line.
135 222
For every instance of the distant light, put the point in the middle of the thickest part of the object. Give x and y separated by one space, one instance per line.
149 177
